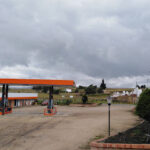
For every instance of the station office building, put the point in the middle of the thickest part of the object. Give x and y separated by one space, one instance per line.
21 99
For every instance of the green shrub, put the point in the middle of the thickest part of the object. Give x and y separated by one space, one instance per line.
84 99
39 102
56 91
76 90
64 102
91 89
143 106
100 90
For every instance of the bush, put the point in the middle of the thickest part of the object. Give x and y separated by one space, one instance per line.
39 102
91 89
82 87
57 91
64 102
99 90
143 106
84 99
76 91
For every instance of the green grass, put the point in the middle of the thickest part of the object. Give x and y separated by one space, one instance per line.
119 89
98 98
77 97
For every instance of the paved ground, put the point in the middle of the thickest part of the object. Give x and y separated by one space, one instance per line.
70 129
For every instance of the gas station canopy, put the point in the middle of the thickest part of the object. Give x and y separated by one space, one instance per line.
51 110
42 82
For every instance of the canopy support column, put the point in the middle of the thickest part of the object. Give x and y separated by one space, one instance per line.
6 102
50 103
3 99
4 105
50 110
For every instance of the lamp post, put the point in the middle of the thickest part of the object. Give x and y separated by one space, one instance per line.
109 100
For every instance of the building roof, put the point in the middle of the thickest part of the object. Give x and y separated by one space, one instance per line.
20 96
42 82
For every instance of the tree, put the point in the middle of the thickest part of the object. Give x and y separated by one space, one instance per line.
103 85
143 86
99 90
45 89
91 89
37 88
76 90
56 91
84 99
138 86
81 87
143 105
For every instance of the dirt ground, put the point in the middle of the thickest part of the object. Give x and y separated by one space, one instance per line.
71 129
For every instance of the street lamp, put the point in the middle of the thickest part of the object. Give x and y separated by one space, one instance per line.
109 100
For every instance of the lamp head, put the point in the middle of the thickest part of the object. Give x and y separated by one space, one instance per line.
109 100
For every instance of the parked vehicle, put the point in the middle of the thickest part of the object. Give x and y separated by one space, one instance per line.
44 103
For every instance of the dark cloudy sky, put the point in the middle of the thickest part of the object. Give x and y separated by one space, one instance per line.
83 40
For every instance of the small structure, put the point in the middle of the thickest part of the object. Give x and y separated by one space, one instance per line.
20 99
116 94
68 90
125 96
137 91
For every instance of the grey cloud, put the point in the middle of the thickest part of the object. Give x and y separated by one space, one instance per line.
75 39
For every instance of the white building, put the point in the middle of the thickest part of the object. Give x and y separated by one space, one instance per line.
68 90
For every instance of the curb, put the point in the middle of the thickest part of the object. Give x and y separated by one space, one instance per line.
95 145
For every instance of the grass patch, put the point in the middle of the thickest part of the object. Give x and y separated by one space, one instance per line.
64 97
64 102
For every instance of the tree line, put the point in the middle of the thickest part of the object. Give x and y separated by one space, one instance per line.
93 89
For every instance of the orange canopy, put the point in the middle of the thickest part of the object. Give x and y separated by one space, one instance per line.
42 82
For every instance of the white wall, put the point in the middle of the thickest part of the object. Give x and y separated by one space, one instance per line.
21 94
